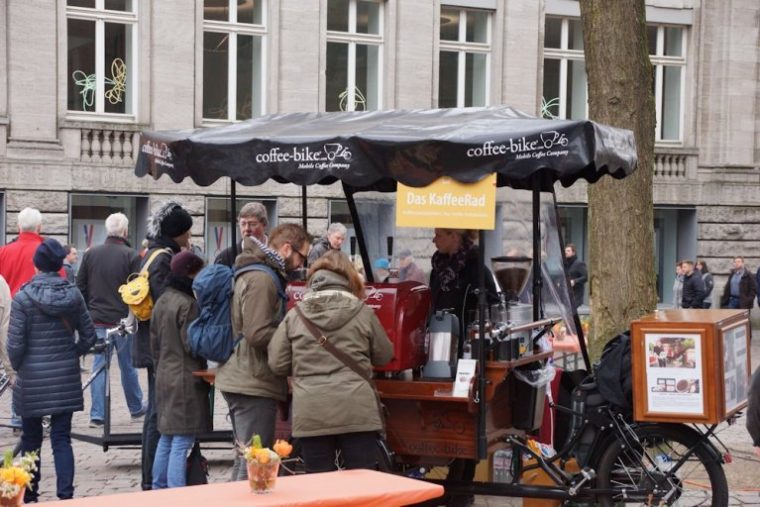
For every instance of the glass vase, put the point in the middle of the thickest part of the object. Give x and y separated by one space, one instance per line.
262 476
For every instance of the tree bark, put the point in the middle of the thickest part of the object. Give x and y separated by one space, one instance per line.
621 217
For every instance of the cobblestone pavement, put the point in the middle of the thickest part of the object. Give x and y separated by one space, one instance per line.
118 470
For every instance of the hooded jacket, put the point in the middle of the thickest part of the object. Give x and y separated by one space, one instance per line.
42 348
181 399
256 308
328 397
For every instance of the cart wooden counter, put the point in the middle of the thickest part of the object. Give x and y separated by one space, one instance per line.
424 420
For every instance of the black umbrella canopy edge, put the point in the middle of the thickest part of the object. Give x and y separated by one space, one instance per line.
374 150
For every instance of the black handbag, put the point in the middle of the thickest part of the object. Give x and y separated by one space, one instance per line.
197 467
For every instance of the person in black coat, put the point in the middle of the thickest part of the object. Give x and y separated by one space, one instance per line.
45 355
453 286
693 294
740 289
576 273
168 230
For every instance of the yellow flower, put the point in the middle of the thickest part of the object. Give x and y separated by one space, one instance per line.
262 455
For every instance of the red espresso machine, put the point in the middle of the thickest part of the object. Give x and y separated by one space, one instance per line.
403 309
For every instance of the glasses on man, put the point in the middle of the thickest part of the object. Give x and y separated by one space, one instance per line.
304 257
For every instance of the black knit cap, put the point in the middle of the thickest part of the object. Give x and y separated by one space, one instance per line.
176 223
49 256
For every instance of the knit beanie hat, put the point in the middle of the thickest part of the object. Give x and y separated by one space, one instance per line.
185 263
49 256
170 220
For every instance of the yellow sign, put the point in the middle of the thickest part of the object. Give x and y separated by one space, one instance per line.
449 204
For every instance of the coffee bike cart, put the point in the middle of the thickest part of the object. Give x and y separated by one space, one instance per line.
607 457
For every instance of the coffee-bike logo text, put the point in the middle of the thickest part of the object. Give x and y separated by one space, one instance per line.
331 156
547 144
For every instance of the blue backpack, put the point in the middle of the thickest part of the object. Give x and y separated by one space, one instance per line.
210 335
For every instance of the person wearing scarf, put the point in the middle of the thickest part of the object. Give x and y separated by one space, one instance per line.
453 284
182 406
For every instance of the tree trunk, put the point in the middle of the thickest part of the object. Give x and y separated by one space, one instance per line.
621 217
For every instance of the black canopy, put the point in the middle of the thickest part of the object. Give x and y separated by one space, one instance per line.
373 150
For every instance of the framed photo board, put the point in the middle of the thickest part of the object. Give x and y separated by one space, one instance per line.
690 366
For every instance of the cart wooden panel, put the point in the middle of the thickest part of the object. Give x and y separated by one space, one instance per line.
424 420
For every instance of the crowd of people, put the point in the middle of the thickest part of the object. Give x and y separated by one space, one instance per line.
52 317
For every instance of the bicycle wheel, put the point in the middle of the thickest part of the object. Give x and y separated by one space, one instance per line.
699 481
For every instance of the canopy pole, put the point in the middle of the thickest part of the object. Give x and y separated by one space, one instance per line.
482 440
537 274
233 217
349 192
576 318
304 210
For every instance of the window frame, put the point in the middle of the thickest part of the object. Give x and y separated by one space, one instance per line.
659 62
232 29
101 16
462 48
352 38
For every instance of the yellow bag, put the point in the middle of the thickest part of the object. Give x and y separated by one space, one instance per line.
136 292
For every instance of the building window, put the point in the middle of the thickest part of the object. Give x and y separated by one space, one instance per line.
353 69
464 58
234 39
564 91
101 38
667 51
89 213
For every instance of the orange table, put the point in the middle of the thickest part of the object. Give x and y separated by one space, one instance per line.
347 488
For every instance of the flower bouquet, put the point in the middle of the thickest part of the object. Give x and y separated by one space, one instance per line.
264 463
15 476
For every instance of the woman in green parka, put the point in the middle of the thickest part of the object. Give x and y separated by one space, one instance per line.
333 407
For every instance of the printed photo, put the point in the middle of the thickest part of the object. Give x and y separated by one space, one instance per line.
672 352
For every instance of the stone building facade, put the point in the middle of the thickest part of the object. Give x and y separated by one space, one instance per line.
79 79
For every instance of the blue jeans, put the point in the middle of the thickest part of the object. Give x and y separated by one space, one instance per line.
170 463
129 380
63 456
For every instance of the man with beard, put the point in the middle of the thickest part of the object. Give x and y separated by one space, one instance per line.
258 305
576 273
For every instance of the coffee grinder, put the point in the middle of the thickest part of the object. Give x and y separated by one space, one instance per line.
512 273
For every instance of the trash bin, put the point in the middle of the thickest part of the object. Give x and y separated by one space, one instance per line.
530 382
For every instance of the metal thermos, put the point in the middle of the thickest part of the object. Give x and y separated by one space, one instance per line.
442 346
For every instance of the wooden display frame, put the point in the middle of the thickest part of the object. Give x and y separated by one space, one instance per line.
681 369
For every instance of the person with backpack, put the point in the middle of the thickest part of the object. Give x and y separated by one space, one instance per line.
334 406
168 232
250 388
42 350
182 406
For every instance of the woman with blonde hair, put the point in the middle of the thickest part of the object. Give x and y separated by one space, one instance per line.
334 403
